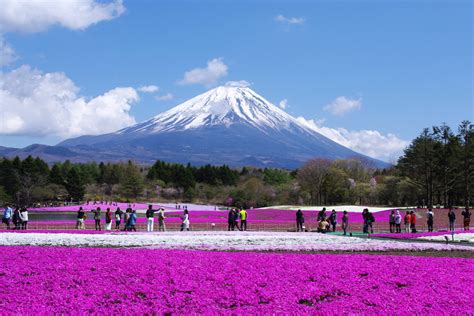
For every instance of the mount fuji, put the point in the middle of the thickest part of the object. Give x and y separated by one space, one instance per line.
226 125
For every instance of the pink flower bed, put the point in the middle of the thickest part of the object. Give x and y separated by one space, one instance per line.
54 280
422 234
60 231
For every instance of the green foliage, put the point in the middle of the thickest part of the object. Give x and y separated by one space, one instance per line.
131 183
75 184
276 176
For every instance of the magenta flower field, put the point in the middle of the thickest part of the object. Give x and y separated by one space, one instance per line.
39 280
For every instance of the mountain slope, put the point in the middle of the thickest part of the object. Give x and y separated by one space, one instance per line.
226 125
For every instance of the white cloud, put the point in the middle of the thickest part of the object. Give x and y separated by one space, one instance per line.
165 97
371 143
342 105
149 89
239 83
7 53
208 76
40 104
30 16
283 104
289 20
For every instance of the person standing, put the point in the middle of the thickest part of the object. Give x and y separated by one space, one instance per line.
80 218
392 221
345 222
230 220
398 222
451 218
97 213
16 218
185 223
466 218
243 219
128 211
430 219
368 221
299 220
133 220
24 218
118 218
236 219
161 220
407 221
365 228
321 214
7 216
108 219
413 221
150 218
333 220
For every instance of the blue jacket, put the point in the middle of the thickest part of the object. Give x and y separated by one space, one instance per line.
8 212
133 218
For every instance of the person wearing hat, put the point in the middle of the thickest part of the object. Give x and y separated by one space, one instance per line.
161 220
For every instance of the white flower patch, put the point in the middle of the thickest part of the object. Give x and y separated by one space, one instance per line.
243 241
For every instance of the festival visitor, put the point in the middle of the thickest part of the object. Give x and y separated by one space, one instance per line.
345 222
133 220
7 216
118 218
24 218
413 221
150 219
161 220
430 219
392 221
236 219
97 213
108 219
369 219
243 219
407 220
16 218
80 218
299 220
451 218
333 220
128 211
323 226
230 220
322 214
398 222
467 218
185 223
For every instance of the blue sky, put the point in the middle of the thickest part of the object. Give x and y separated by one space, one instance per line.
404 65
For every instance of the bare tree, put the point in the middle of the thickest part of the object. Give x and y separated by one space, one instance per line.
312 176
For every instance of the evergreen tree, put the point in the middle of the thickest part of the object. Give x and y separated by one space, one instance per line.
74 184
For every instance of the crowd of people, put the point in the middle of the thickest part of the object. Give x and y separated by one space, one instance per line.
18 217
328 223
233 218
237 219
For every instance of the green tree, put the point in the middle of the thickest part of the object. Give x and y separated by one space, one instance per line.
131 184
74 184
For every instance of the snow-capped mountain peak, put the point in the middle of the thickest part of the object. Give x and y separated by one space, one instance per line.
225 106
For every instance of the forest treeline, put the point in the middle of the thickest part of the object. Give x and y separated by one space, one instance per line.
437 168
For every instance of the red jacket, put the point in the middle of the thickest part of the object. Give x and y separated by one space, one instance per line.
413 219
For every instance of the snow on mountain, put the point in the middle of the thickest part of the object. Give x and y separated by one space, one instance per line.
225 105
227 125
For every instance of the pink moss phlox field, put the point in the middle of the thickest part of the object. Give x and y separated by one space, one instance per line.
421 234
37 280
